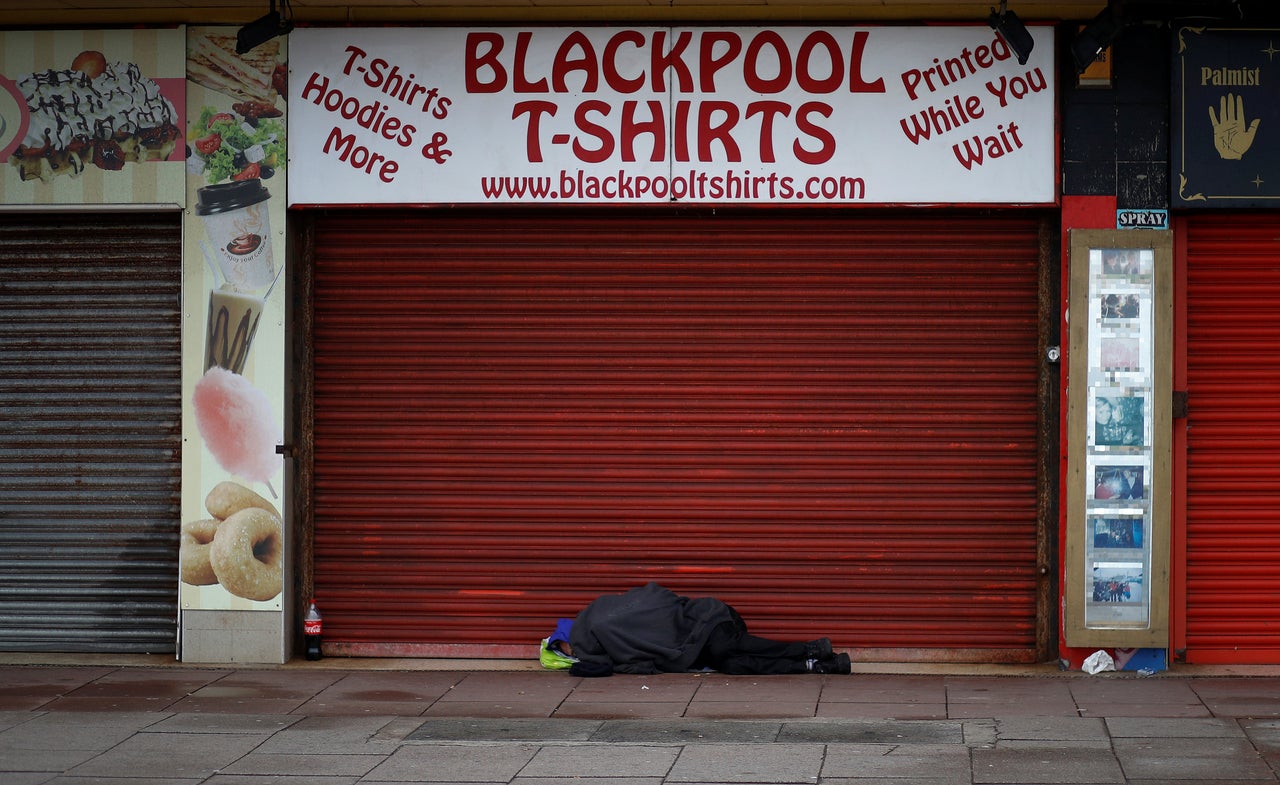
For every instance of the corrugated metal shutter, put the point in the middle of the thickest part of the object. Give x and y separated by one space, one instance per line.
1233 439
90 439
829 422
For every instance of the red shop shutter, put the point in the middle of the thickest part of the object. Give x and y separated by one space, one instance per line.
1233 439
829 422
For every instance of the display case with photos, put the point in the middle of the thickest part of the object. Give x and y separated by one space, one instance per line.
1118 415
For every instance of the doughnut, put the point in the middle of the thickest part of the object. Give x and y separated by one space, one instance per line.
193 552
247 554
228 498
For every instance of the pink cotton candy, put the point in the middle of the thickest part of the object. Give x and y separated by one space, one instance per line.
237 424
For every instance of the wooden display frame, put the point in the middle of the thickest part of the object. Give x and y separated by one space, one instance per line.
1119 438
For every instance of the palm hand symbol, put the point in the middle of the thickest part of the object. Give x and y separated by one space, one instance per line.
1230 135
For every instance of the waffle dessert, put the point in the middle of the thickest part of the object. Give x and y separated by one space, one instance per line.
95 113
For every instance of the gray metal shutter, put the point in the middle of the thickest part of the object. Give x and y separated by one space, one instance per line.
91 432
828 420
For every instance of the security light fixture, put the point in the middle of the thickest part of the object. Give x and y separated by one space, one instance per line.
1097 35
263 29
1013 31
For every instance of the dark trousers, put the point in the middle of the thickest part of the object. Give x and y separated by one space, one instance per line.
731 649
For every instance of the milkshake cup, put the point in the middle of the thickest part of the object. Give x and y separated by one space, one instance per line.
236 220
233 320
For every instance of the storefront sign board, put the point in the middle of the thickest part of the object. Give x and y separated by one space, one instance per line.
1226 118
789 115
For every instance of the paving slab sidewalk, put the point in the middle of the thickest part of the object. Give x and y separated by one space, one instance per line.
96 725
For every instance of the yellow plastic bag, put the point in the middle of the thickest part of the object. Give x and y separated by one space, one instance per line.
554 660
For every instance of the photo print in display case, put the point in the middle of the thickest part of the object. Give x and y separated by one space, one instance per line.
1119 418
1119 483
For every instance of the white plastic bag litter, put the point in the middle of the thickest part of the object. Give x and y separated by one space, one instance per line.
1098 662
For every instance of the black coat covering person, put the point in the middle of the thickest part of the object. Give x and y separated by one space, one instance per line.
651 629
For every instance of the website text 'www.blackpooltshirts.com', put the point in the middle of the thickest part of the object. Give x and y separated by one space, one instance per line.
695 185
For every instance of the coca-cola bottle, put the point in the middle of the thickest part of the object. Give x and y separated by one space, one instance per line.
312 627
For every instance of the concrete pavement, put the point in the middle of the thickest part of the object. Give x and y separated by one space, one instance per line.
375 723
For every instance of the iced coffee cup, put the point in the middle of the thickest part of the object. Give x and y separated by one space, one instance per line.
236 220
233 320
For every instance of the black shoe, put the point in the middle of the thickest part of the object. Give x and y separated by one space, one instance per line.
836 663
818 650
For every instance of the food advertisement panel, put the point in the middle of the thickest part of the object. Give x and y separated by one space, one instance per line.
92 117
232 538
786 115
